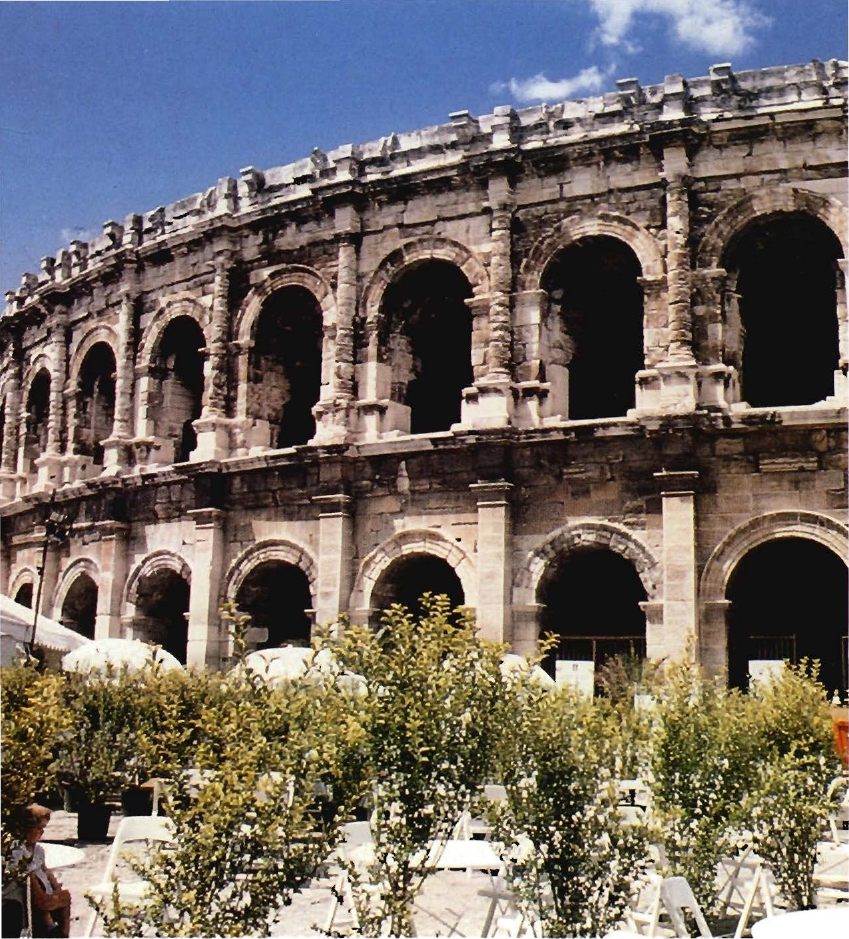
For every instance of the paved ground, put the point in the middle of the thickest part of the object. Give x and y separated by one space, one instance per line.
452 904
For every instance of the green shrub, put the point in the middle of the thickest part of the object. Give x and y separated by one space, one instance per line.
251 820
702 764
34 718
570 860
433 721
785 809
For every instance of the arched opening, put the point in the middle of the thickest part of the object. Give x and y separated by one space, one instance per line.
162 607
595 324
95 402
285 380
789 600
591 602
277 597
408 577
23 595
428 340
37 419
782 319
79 611
179 371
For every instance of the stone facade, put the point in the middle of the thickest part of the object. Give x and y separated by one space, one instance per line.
461 357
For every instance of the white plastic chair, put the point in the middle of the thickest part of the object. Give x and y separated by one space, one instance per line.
342 899
133 828
676 897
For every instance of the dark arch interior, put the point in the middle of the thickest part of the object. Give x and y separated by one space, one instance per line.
427 305
38 411
287 364
79 611
181 360
786 284
789 600
594 283
95 401
591 601
161 607
407 578
277 597
24 595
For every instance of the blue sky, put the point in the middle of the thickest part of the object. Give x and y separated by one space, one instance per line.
112 108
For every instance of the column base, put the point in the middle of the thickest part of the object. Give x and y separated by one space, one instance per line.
116 456
681 388
9 483
50 474
213 439
333 421
487 403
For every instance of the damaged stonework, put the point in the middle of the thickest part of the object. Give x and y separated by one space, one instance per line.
580 366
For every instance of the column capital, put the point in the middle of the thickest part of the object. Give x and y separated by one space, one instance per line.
207 517
677 482
492 493
337 503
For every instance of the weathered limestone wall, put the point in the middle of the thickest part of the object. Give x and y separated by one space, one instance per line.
677 173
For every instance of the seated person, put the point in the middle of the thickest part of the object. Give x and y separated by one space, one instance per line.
51 905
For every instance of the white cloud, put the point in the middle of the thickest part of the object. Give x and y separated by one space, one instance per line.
540 88
718 27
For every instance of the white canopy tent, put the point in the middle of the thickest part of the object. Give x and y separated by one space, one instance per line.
16 626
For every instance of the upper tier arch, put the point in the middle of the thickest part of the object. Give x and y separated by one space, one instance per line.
576 227
722 230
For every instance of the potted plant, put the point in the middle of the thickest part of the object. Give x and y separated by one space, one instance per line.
92 755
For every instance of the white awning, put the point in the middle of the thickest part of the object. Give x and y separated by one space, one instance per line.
16 625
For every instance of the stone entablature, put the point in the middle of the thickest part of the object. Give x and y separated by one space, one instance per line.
150 373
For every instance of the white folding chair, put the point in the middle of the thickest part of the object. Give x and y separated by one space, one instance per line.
133 828
839 817
356 834
676 897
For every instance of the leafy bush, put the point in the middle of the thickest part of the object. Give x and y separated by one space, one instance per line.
251 819
34 718
785 808
702 764
571 861
95 749
433 718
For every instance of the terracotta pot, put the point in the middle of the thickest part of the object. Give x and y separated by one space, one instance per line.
840 725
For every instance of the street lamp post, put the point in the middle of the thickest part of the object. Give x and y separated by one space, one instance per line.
57 527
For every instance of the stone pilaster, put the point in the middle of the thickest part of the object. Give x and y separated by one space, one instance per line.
335 554
678 266
207 642
680 586
12 416
713 636
526 620
495 551
334 412
116 449
212 427
50 462
841 385
489 403
114 538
